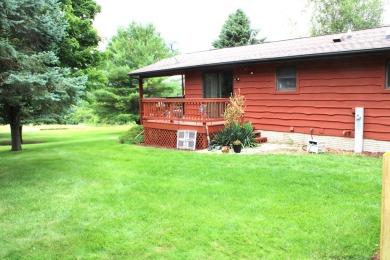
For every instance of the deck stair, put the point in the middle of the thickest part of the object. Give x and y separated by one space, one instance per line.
258 137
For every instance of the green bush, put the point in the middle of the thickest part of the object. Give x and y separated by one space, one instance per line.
81 115
123 119
133 135
234 132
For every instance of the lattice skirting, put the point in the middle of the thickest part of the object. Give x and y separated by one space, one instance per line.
168 138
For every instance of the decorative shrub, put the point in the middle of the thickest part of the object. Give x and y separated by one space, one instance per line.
235 132
134 135
235 110
246 135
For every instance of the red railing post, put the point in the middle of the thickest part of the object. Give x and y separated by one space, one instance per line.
171 111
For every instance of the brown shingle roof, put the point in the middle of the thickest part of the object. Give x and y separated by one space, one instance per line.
370 40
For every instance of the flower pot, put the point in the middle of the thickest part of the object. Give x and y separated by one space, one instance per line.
237 148
225 149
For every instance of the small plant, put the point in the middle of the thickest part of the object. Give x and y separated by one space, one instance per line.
133 135
237 146
237 142
225 149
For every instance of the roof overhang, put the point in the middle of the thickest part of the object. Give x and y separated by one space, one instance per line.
181 70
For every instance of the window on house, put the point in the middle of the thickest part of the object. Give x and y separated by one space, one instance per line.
217 84
387 75
286 78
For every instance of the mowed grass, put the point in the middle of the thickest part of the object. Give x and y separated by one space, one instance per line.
81 194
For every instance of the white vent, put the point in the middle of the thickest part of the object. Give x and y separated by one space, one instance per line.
186 139
314 146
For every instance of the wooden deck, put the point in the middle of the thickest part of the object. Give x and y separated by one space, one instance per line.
184 110
175 125
162 117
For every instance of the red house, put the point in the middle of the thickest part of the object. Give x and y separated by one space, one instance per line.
335 88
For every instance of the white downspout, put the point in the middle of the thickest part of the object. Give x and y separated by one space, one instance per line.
359 130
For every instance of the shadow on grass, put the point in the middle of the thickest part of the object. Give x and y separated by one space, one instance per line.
6 143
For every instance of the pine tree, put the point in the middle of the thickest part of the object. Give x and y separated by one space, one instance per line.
133 47
237 32
32 85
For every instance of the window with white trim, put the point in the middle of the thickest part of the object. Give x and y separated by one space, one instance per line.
286 78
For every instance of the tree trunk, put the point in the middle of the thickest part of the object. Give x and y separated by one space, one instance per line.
21 133
15 130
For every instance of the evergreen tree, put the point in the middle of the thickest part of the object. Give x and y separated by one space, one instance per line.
133 47
32 85
237 31
335 16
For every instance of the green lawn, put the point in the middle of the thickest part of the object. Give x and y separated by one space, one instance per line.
80 194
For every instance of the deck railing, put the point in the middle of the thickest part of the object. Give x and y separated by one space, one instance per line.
184 109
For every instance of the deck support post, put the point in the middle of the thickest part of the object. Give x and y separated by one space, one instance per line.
183 93
141 97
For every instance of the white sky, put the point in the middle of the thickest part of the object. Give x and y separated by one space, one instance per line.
195 24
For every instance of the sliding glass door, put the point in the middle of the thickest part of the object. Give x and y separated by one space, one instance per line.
218 84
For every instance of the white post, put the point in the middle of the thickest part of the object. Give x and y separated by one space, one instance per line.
385 222
359 122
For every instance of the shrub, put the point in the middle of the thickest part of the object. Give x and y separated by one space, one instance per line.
235 110
123 119
222 138
246 135
133 135
80 115
235 132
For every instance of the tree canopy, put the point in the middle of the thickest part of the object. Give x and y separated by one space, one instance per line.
334 16
32 84
133 47
237 31
77 50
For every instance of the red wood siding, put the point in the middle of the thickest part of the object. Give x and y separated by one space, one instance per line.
328 90
193 85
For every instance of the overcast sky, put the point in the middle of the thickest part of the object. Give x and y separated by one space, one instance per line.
194 25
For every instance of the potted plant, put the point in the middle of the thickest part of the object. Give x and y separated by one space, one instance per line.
237 145
225 149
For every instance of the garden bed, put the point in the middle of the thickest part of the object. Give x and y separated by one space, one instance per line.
277 148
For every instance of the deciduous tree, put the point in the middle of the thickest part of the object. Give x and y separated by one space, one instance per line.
78 49
237 31
334 16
